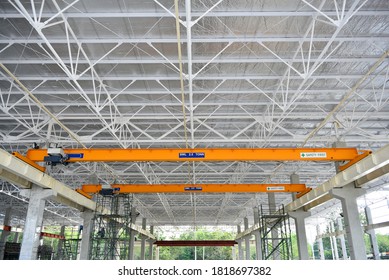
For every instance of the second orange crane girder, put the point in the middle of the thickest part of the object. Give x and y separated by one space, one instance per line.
201 188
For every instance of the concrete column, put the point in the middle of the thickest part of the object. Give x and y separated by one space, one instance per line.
299 217
332 248
258 245
294 179
33 225
341 239
313 251
151 242
320 243
233 253
348 196
5 233
274 233
334 242
257 235
372 236
16 237
247 239
94 179
132 235
272 202
157 253
143 242
87 217
60 244
240 249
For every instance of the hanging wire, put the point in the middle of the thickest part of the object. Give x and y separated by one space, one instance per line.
193 197
181 72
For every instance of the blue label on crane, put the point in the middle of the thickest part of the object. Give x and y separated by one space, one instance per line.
191 155
75 155
191 189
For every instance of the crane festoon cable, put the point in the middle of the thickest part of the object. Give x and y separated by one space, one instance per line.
181 79
183 102
180 67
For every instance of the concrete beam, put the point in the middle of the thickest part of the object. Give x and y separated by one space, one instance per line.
142 231
342 232
248 231
372 176
14 179
318 201
19 172
378 225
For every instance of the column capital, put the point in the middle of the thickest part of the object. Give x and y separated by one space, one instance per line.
299 214
37 192
87 213
295 179
347 192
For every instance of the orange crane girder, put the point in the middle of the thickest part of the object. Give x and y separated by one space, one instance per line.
206 154
200 188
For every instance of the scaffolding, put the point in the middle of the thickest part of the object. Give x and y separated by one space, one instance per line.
110 232
68 246
275 234
72 244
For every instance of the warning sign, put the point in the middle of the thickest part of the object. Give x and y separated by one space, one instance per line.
275 188
313 155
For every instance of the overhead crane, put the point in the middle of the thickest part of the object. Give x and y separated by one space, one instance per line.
88 190
53 156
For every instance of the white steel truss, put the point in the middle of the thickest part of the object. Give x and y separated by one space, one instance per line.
254 74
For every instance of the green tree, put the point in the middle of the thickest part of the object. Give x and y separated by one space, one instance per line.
207 253
383 242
